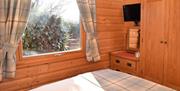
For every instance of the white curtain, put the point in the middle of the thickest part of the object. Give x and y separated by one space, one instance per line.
88 17
13 18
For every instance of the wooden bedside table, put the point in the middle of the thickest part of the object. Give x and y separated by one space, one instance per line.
124 61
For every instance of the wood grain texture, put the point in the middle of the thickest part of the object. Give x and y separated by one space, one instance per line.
159 42
172 60
111 33
124 61
153 28
131 1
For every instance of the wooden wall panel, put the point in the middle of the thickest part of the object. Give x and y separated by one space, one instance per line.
111 33
131 1
109 20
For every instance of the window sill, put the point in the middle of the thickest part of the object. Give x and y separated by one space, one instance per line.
53 53
50 58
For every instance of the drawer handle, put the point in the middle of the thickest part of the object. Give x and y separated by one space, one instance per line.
129 64
117 61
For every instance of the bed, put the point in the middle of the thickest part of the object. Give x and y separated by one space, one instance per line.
103 80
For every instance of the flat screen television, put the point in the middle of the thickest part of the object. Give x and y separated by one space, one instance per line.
132 12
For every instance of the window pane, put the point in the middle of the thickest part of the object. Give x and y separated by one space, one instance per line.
53 26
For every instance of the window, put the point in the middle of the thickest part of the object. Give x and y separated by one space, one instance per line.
53 26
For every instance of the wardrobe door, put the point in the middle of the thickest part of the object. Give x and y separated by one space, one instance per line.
153 36
172 60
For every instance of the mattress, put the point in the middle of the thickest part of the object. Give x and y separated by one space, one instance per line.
103 80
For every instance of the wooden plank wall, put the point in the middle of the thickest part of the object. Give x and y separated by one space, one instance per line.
111 32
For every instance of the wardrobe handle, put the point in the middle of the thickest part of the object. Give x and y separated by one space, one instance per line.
161 42
117 61
165 42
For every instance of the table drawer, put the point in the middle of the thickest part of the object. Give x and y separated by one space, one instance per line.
124 65
130 65
117 61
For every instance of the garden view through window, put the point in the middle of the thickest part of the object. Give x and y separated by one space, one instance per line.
53 26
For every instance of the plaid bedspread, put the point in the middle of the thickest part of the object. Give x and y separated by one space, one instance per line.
103 80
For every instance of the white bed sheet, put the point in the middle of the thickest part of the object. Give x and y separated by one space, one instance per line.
103 80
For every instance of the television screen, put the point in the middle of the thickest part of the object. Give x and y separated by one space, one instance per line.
132 12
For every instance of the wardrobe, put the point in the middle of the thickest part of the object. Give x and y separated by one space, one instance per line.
160 41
